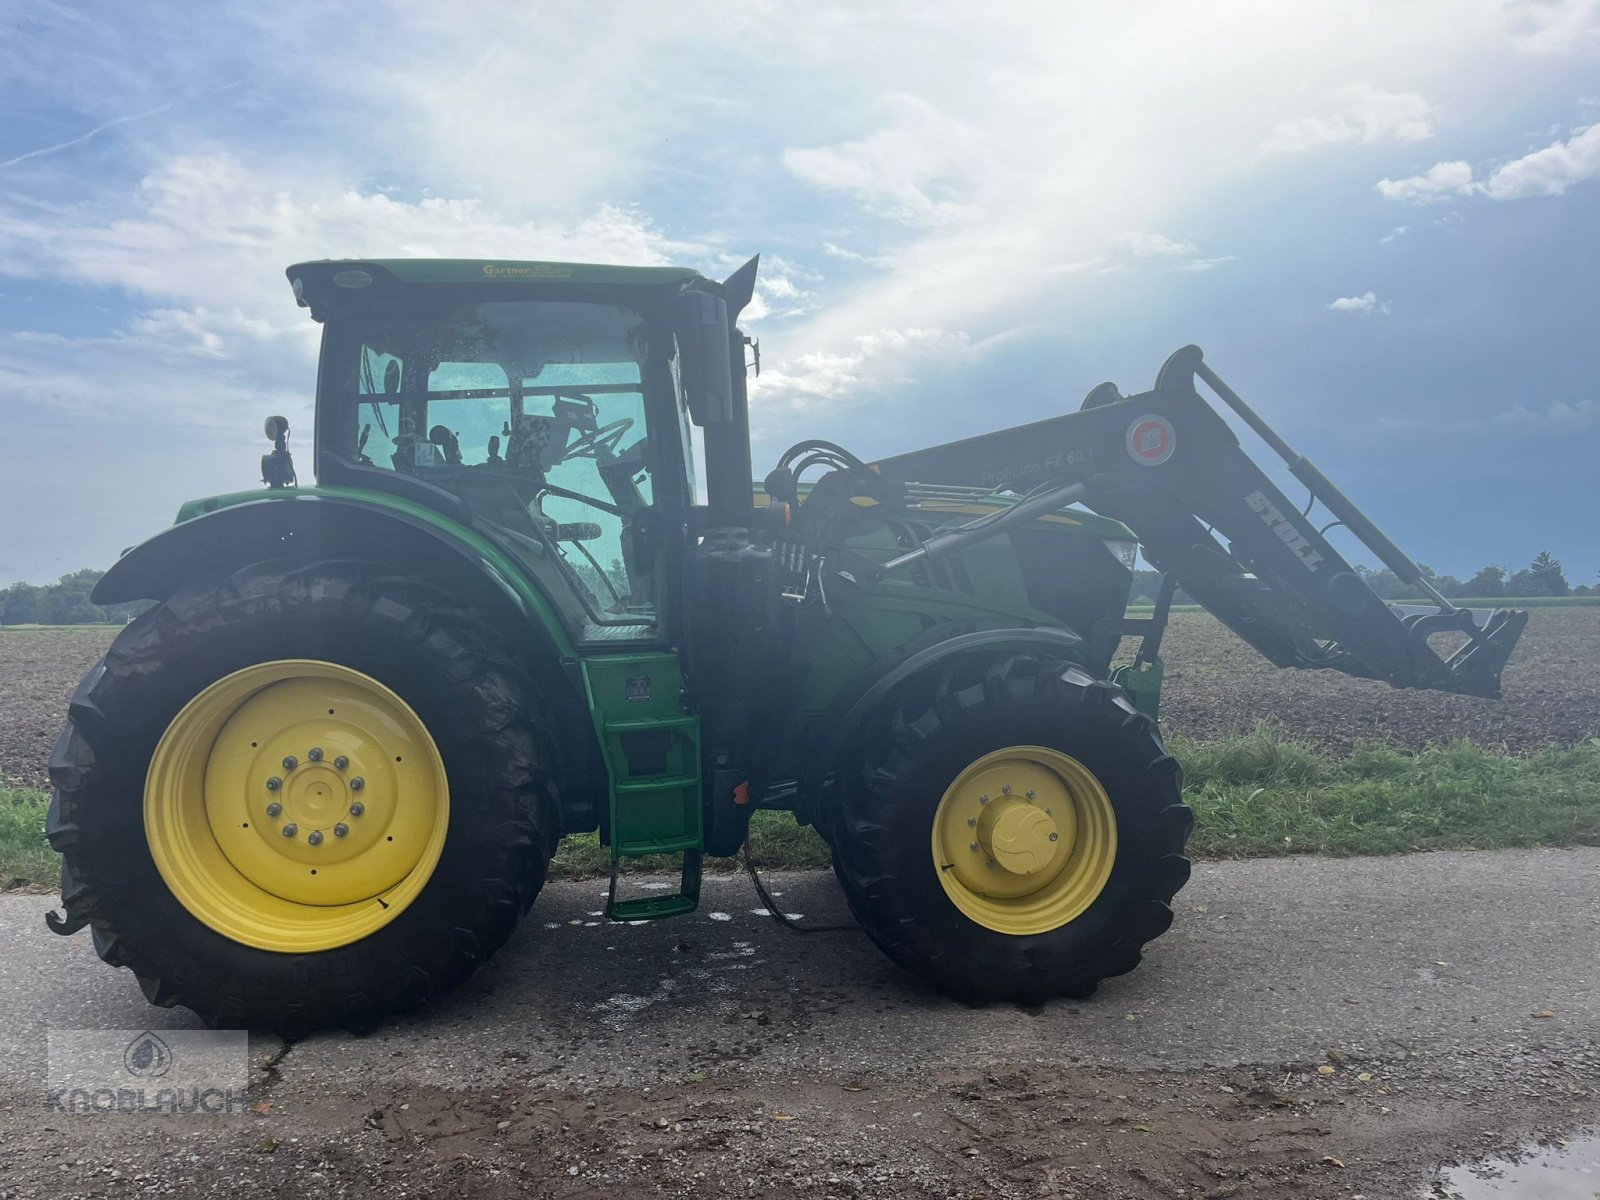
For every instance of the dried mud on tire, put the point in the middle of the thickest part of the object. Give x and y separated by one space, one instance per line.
1216 685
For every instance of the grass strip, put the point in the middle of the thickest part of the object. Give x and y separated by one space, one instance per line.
1257 795
27 863
1264 794
776 840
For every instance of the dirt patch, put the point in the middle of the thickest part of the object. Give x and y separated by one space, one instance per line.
1217 686
38 671
1056 1130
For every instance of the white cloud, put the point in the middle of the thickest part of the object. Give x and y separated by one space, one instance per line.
1551 26
1439 182
911 170
1556 414
878 359
870 260
208 239
1365 114
1549 171
1394 235
83 138
1153 245
1367 302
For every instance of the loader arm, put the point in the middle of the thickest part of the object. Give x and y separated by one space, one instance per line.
1167 465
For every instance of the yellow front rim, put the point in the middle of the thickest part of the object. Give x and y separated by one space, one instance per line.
1024 840
296 806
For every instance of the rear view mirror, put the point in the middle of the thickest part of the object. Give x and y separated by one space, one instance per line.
702 329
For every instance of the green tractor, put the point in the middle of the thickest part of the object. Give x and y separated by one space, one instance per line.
321 779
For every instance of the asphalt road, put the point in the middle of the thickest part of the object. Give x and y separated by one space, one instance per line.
1271 961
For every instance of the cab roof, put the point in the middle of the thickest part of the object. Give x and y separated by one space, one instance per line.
315 283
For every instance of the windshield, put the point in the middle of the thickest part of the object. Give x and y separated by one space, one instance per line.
534 412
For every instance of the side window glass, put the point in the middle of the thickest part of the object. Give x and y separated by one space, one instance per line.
471 403
379 380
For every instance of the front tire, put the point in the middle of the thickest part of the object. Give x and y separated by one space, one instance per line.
1011 828
260 882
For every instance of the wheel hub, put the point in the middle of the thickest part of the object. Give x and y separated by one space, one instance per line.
296 804
1019 837
297 731
1024 839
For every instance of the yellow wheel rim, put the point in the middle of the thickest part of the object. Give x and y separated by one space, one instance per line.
296 806
1024 840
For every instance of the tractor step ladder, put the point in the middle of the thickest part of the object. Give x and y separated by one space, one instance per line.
652 753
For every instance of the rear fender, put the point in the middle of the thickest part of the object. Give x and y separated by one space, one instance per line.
307 526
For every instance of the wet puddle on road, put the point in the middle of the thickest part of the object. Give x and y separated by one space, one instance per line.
1569 1172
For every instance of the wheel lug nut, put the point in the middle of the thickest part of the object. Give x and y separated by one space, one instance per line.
972 820
1029 793
290 762
1005 789
357 809
1055 837
290 829
357 784
983 799
340 829
314 754
274 809
341 762
315 837
972 845
274 784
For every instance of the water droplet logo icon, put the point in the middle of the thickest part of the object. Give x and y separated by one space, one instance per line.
147 1056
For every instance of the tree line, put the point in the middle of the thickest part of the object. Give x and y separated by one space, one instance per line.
65 602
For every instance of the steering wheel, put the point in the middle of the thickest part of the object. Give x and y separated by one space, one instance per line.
590 444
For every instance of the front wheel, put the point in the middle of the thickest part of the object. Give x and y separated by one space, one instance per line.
309 795
1011 828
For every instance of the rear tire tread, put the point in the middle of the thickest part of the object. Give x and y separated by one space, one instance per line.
493 726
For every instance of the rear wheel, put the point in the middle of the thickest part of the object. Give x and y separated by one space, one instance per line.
1011 828
309 795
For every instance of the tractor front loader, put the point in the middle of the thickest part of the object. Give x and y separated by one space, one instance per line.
321 779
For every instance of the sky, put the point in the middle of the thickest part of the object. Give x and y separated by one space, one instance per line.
1381 221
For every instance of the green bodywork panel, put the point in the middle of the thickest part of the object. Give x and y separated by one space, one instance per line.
873 622
652 752
316 283
495 270
505 569
870 624
1142 682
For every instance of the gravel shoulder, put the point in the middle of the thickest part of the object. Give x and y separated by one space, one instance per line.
721 1055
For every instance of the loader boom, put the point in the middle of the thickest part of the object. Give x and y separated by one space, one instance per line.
1166 464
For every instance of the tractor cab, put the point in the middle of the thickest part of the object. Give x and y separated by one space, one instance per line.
550 402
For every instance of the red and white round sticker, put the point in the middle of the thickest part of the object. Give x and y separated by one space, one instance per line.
1151 440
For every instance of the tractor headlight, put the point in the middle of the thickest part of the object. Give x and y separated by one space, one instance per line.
1127 552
